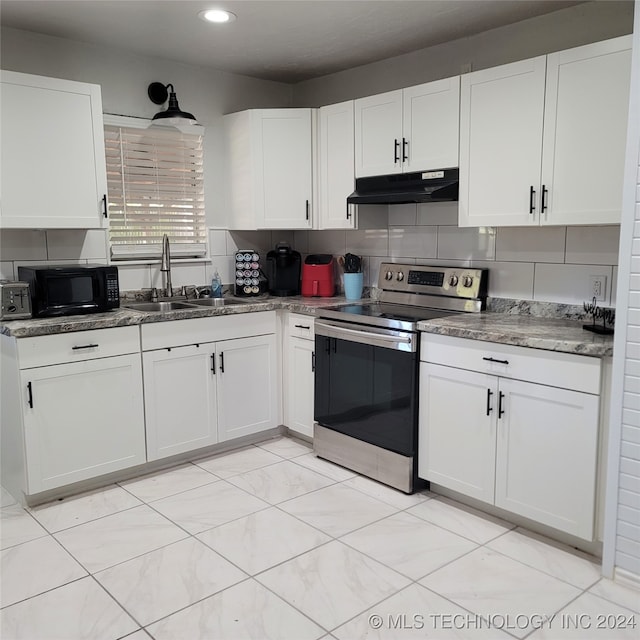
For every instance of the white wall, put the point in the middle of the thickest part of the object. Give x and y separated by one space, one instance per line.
621 549
582 24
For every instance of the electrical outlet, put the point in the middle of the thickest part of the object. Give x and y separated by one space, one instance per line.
598 287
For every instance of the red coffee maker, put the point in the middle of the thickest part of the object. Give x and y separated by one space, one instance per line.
317 276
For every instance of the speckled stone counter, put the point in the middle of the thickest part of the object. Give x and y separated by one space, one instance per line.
551 334
123 316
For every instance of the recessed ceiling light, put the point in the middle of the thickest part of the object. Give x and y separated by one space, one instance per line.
219 16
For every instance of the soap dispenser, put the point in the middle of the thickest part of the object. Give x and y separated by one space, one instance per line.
216 285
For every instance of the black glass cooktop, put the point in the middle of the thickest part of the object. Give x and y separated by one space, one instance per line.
383 314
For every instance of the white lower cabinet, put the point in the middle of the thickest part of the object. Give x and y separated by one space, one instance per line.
525 447
199 392
72 421
180 399
299 375
82 420
247 383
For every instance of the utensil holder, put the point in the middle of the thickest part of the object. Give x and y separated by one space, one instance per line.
353 283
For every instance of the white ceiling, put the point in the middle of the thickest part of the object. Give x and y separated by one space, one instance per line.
283 40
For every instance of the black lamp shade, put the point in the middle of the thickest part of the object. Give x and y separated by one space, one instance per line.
158 94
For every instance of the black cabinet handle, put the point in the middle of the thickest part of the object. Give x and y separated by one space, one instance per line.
396 151
213 363
543 202
221 362
30 390
489 407
85 346
498 361
532 193
500 399
327 345
405 146
104 205
313 361
348 212
302 326
307 209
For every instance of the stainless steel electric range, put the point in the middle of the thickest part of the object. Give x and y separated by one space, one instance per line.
366 368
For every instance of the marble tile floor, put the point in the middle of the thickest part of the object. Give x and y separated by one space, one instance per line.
270 542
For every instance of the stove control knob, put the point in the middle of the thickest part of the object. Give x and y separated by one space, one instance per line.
467 281
453 280
388 275
400 276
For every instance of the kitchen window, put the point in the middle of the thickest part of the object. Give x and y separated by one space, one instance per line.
155 187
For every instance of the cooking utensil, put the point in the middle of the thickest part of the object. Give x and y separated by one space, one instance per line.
352 263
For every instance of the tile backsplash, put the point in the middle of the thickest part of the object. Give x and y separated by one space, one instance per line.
546 264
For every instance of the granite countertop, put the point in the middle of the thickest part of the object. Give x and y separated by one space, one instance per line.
566 335
124 317
551 334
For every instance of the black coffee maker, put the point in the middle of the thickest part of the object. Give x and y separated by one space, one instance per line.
283 270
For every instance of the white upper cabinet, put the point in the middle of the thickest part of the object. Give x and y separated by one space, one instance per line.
52 154
431 125
585 131
269 184
542 141
501 114
335 166
412 129
379 134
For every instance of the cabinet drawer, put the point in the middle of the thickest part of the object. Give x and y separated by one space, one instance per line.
564 370
176 333
60 348
300 326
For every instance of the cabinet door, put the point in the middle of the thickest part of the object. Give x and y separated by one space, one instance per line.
431 125
546 455
336 165
247 386
457 437
53 162
180 400
379 134
585 129
82 420
283 193
299 389
501 113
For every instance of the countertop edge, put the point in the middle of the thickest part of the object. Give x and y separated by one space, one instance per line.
503 335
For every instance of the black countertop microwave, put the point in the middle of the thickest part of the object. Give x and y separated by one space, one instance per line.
63 290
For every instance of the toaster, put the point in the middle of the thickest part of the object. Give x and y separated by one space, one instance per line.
15 300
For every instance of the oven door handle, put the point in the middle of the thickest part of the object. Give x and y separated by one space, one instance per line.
398 341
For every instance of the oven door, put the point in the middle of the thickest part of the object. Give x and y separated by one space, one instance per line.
366 384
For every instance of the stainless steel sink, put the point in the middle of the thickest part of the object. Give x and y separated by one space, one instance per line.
215 302
158 306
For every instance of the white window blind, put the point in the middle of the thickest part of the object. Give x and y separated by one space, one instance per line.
155 186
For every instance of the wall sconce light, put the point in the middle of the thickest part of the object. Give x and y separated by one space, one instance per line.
158 94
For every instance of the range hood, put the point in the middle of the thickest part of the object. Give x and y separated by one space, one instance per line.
422 186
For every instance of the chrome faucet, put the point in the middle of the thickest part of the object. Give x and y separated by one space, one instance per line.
165 265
